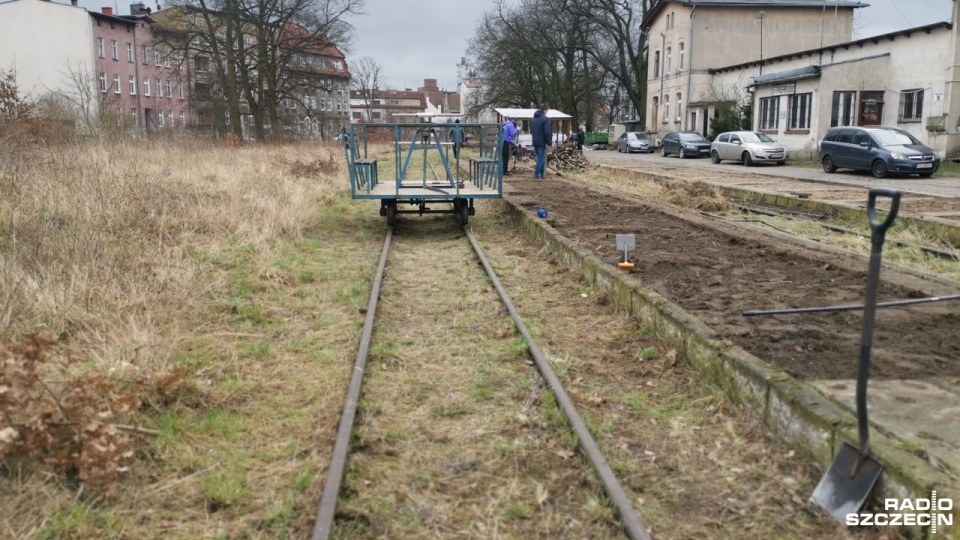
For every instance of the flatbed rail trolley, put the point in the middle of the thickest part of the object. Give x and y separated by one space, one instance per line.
428 173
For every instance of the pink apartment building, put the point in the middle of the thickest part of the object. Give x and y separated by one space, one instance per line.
138 78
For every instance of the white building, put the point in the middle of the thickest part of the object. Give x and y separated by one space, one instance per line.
794 64
49 46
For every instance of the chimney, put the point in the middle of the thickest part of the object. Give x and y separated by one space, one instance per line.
107 11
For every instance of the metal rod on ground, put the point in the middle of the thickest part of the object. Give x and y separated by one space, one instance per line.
338 460
852 307
631 521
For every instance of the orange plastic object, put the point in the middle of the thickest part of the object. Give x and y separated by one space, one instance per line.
625 265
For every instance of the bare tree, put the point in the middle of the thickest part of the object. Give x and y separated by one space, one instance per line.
619 44
259 49
368 79
525 61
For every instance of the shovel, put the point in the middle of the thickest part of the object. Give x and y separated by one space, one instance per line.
851 477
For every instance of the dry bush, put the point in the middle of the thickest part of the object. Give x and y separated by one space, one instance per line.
71 426
698 195
311 169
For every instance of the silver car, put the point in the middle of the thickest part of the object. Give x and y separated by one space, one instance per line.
749 147
634 141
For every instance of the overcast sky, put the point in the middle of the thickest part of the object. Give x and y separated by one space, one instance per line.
415 40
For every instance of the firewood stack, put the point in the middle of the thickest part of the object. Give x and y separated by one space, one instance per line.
565 157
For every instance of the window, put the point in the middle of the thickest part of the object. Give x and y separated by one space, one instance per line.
133 115
199 63
132 85
116 84
100 47
656 64
113 50
202 91
770 113
666 109
143 54
156 57
146 86
842 112
103 82
160 117
170 117
180 90
183 119
130 57
800 111
119 116
169 89
680 57
679 101
166 63
911 105
668 60
159 88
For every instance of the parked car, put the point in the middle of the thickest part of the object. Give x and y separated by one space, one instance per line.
634 141
878 149
684 144
749 147
525 141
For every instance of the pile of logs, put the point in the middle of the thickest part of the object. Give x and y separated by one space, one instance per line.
566 157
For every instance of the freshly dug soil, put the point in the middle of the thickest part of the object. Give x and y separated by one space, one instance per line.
716 270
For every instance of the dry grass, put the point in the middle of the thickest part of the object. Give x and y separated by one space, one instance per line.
144 257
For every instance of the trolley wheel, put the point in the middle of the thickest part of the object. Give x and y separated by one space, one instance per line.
460 208
392 213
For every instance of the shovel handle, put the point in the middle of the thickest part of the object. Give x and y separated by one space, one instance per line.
879 228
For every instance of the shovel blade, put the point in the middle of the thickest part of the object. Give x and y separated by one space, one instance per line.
839 493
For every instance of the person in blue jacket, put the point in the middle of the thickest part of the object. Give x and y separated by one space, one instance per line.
542 138
510 134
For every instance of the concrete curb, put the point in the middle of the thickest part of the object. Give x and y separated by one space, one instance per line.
931 225
794 411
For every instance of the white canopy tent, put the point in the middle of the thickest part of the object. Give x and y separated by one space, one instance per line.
560 121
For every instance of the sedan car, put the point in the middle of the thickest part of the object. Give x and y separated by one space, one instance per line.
878 149
525 141
749 147
634 141
684 144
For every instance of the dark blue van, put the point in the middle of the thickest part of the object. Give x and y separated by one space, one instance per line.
879 149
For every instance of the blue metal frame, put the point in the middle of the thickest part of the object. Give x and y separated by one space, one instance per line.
424 137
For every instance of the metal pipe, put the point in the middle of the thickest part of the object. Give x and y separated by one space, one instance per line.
338 460
852 307
662 67
631 521
689 53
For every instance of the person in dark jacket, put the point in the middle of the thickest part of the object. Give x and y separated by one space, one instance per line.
542 138
581 138
456 137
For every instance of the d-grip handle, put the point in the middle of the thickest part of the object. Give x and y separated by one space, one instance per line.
878 227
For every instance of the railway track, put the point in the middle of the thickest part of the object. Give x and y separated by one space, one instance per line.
326 519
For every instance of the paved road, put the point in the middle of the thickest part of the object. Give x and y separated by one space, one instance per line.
934 187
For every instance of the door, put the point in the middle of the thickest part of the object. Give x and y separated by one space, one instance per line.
871 109
732 150
693 122
861 151
843 148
